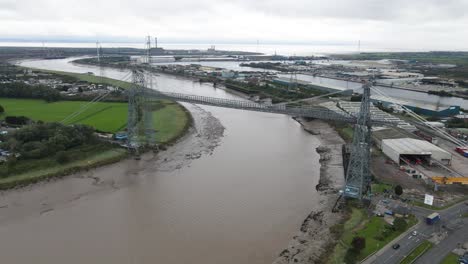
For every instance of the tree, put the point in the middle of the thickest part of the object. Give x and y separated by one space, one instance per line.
2 110
358 243
17 120
399 224
398 190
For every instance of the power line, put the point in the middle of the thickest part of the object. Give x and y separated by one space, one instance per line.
85 106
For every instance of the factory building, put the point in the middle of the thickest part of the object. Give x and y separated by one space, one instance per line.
419 108
414 151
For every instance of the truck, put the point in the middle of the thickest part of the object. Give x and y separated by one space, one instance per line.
432 218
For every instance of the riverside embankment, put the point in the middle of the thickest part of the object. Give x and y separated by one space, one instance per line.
311 243
234 190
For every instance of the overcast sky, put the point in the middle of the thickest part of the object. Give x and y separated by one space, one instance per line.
399 24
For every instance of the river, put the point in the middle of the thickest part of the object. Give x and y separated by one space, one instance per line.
241 202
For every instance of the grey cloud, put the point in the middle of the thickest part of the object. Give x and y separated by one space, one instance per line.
362 9
293 20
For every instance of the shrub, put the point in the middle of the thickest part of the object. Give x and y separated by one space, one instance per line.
400 224
351 256
17 120
398 190
358 243
62 157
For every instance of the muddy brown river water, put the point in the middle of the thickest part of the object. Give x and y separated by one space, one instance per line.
234 190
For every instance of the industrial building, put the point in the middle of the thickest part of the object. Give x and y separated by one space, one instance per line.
419 108
414 150
353 109
320 87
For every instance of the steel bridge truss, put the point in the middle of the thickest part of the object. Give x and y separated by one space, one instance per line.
305 111
358 171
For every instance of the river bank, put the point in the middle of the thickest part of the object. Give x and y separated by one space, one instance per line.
57 192
311 243
172 121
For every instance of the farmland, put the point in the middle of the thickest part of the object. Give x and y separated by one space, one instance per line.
170 119
103 116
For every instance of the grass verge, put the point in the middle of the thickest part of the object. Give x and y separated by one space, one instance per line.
374 229
381 187
417 252
451 258
171 122
434 207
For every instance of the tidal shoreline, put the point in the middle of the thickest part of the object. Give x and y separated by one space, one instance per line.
58 192
309 245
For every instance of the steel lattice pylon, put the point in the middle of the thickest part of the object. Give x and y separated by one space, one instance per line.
140 128
134 109
358 172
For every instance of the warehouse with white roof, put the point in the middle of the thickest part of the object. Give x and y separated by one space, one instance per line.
414 149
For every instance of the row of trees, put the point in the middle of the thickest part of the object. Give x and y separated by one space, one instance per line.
45 139
23 90
17 120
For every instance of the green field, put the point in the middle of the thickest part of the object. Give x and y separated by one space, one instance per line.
451 258
169 121
353 223
107 117
417 252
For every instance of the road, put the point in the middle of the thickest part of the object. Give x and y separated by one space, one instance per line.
408 242
439 251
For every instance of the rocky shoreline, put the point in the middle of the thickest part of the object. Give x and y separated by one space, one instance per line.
310 244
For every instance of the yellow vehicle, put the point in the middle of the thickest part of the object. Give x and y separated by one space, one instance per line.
450 180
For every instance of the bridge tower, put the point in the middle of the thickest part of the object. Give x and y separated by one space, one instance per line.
134 110
140 129
358 171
